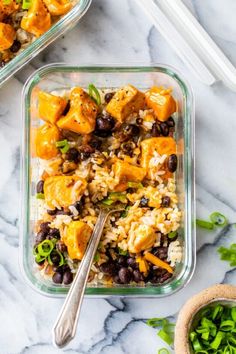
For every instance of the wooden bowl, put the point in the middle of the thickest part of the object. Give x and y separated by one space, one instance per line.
218 293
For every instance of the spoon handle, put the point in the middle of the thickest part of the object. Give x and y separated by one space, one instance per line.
66 324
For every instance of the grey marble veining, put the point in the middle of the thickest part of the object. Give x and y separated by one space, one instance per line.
118 32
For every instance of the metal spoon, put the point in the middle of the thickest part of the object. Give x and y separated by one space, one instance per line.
65 327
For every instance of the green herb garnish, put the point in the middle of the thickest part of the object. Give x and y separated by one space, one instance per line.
63 145
163 351
172 234
39 195
228 254
166 329
136 185
205 224
94 94
214 331
218 219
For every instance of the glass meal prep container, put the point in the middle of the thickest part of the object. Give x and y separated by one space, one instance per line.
59 77
61 26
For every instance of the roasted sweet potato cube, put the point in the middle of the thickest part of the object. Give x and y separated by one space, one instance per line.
58 7
125 172
46 137
7 9
142 238
76 239
81 117
63 191
37 20
50 106
162 145
7 36
161 101
125 101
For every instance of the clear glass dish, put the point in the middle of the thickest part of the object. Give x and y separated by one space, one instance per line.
60 77
60 27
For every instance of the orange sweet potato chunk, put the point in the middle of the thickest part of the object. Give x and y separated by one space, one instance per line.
58 7
46 137
37 20
161 101
76 239
7 36
50 106
63 191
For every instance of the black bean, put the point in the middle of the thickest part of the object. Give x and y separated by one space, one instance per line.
84 155
86 149
44 226
67 108
139 121
54 232
40 237
108 268
128 147
131 130
125 275
172 163
52 212
165 277
55 258
137 275
62 212
15 46
72 155
132 263
164 129
67 277
108 96
2 63
62 269
39 187
161 252
79 205
144 202
165 202
104 125
117 279
121 260
57 278
156 129
96 144
61 246
171 123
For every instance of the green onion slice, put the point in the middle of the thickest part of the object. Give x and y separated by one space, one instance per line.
63 145
45 247
39 258
205 224
163 351
218 219
172 234
227 325
155 322
39 195
96 257
135 185
122 252
107 201
167 337
94 94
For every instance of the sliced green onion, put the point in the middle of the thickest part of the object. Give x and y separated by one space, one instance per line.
125 212
217 312
39 196
205 224
155 322
96 257
135 185
39 258
227 325
217 341
172 234
94 94
218 219
196 345
122 252
107 201
117 196
192 336
163 351
26 4
45 247
233 313
63 145
167 337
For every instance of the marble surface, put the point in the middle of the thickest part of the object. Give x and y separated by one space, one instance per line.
117 32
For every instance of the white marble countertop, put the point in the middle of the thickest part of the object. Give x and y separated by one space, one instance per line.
111 32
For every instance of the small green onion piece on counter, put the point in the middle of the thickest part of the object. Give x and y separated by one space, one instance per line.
94 94
218 219
39 195
135 185
155 322
45 247
163 351
205 224
166 337
172 234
